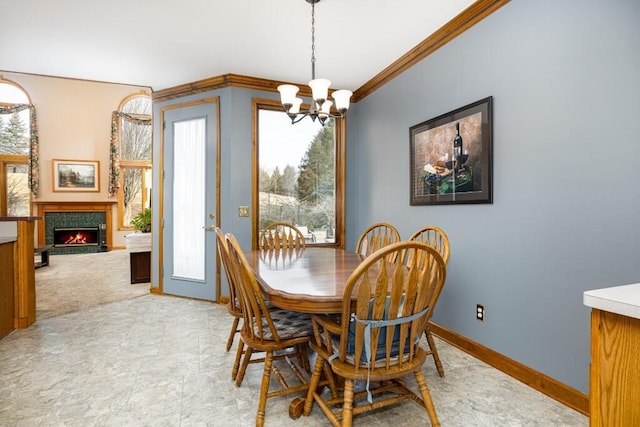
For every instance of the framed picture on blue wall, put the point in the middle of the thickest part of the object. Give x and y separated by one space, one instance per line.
451 157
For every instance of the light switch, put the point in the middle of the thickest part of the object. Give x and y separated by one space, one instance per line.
243 210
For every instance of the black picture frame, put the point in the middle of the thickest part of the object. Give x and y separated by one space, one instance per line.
452 157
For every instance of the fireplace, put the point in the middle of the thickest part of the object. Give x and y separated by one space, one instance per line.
75 236
75 215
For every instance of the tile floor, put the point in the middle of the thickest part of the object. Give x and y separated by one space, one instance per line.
161 361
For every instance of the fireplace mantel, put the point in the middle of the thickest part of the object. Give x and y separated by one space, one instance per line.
76 206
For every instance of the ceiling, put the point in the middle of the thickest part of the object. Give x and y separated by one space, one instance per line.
161 43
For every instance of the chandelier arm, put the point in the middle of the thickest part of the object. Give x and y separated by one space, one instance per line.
295 118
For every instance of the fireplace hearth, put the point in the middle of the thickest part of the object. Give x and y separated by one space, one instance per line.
75 236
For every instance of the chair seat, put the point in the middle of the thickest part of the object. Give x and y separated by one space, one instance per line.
380 361
289 325
347 369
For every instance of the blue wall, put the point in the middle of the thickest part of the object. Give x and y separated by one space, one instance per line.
235 162
565 81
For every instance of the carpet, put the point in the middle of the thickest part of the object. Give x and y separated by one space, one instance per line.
79 281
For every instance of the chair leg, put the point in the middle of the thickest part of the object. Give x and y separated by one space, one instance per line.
236 363
243 367
232 334
313 385
434 352
426 398
264 388
303 357
347 407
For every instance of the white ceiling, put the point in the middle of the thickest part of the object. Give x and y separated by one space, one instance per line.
161 43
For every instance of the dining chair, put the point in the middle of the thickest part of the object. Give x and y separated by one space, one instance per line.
281 235
376 337
375 237
233 306
436 238
280 334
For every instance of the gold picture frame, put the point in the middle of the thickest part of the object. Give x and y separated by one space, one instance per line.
76 175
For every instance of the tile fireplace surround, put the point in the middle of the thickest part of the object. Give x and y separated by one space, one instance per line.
53 213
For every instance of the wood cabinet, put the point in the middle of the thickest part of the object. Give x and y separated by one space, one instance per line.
18 268
140 264
615 356
7 294
615 370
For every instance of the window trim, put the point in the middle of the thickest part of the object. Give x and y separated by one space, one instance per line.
22 159
340 173
6 159
131 164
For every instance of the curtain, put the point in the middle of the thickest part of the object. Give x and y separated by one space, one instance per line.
34 148
114 149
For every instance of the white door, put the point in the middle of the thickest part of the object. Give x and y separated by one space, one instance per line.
189 201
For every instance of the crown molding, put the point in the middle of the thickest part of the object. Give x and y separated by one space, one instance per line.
452 29
458 25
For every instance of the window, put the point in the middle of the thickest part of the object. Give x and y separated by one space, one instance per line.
14 151
300 174
134 127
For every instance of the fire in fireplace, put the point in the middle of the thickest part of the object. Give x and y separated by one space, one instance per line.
76 236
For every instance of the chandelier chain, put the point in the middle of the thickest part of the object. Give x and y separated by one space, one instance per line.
313 41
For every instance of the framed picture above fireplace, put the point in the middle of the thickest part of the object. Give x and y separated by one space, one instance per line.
76 175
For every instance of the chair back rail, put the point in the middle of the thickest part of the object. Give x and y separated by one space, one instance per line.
279 235
375 237
436 237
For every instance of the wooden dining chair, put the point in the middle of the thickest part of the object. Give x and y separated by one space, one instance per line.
375 237
281 235
233 306
376 339
269 331
436 238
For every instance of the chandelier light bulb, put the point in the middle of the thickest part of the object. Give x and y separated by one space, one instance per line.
325 111
288 94
295 106
342 98
320 90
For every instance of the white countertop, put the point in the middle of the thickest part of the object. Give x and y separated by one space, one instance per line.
624 300
8 232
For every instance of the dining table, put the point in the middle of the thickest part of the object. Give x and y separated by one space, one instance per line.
307 280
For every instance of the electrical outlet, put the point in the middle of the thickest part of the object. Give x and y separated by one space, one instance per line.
243 210
480 312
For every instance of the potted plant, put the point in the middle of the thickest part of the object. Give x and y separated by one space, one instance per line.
142 221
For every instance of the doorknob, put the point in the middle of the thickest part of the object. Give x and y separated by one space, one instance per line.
212 216
210 228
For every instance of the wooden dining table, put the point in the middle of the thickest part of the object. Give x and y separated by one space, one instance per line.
307 280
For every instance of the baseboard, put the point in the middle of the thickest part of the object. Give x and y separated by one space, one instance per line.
554 389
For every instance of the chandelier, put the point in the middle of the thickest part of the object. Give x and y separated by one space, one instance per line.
321 106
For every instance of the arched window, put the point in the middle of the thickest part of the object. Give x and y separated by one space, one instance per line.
135 149
15 140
